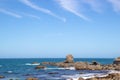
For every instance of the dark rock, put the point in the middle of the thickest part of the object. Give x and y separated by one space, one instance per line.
95 63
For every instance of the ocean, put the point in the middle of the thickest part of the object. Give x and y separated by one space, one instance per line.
20 69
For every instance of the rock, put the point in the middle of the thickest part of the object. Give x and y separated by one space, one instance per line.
2 76
113 76
81 65
32 78
81 79
117 61
86 66
69 59
95 63
39 67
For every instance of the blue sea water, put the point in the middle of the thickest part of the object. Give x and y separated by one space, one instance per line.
17 68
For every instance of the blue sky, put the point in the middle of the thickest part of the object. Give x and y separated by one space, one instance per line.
54 28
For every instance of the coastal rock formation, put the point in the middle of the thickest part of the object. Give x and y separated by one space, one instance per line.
86 66
69 59
81 65
117 61
39 67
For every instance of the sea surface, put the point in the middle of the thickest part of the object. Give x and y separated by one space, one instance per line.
22 69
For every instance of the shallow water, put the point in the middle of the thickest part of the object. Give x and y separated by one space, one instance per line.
17 68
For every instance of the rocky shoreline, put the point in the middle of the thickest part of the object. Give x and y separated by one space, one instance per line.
69 64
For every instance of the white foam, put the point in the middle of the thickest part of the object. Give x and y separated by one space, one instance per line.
67 68
113 71
32 64
84 76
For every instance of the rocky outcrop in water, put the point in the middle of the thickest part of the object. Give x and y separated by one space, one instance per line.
69 59
69 62
39 67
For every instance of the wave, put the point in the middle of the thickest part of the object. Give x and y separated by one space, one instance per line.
0 65
32 64
67 68
84 76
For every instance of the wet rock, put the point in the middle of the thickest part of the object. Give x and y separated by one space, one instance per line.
39 67
69 59
2 76
32 78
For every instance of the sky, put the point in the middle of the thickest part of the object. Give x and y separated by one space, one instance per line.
55 28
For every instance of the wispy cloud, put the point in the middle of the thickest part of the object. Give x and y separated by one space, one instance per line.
31 15
32 5
116 4
95 5
10 13
71 6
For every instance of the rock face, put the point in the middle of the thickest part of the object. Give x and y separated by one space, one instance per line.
69 59
117 61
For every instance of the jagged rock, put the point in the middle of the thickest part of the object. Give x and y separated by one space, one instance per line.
69 59
39 67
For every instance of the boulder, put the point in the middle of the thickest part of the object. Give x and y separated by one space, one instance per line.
39 67
117 61
81 65
69 59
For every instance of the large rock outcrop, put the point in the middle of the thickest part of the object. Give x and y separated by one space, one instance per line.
69 59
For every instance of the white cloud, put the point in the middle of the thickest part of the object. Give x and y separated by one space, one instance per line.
32 5
10 13
71 6
116 4
31 15
95 5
